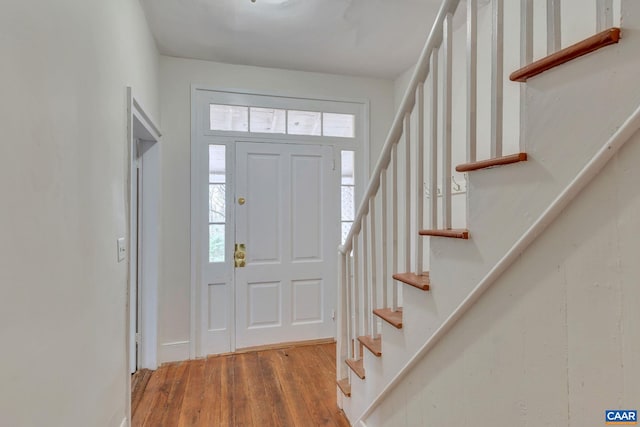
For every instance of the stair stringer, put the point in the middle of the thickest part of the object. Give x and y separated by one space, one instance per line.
570 112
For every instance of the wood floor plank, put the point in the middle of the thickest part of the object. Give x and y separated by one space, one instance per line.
139 381
312 384
260 403
273 389
176 395
227 385
290 389
242 416
192 404
212 403
149 398
280 388
161 404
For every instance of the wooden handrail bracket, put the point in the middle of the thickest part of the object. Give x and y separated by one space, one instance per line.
605 38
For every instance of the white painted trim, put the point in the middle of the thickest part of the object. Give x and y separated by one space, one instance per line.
175 351
590 170
194 330
146 120
150 259
280 94
149 262
125 422
361 145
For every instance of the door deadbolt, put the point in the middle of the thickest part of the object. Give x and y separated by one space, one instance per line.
239 255
241 201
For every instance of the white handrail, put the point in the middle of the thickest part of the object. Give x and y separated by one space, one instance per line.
590 170
419 76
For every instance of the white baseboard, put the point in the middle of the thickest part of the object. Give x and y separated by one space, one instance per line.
173 352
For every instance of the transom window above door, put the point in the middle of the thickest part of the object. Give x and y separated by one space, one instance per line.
238 118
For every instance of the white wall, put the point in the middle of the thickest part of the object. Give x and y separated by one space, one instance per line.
63 156
556 340
176 77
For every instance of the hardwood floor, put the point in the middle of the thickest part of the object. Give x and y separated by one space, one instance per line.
287 387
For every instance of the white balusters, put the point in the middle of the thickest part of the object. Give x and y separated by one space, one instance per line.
554 38
373 304
497 88
394 224
472 78
383 231
407 192
366 285
526 57
604 15
356 298
447 51
344 351
349 303
419 178
433 143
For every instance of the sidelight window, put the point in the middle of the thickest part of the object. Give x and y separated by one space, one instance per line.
217 203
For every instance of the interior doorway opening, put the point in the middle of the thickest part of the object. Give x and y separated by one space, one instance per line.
143 240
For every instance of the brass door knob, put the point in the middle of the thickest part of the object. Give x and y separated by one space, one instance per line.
241 201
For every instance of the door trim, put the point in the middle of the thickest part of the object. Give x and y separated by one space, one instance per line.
143 136
198 140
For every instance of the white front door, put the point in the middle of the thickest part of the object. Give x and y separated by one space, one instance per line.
287 217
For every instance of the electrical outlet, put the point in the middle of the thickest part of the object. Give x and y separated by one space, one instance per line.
122 249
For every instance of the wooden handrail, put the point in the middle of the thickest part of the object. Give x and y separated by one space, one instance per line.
406 106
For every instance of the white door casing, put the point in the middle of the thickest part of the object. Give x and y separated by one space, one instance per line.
143 137
289 225
215 318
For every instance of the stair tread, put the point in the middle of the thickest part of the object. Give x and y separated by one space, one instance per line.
588 45
392 317
356 366
456 233
489 163
417 281
374 345
344 386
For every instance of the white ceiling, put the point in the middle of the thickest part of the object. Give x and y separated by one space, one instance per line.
376 38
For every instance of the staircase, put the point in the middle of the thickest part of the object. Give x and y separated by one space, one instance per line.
422 250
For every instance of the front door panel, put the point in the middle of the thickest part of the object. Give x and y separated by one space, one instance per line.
288 221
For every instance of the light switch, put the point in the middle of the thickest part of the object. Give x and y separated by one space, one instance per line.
122 249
